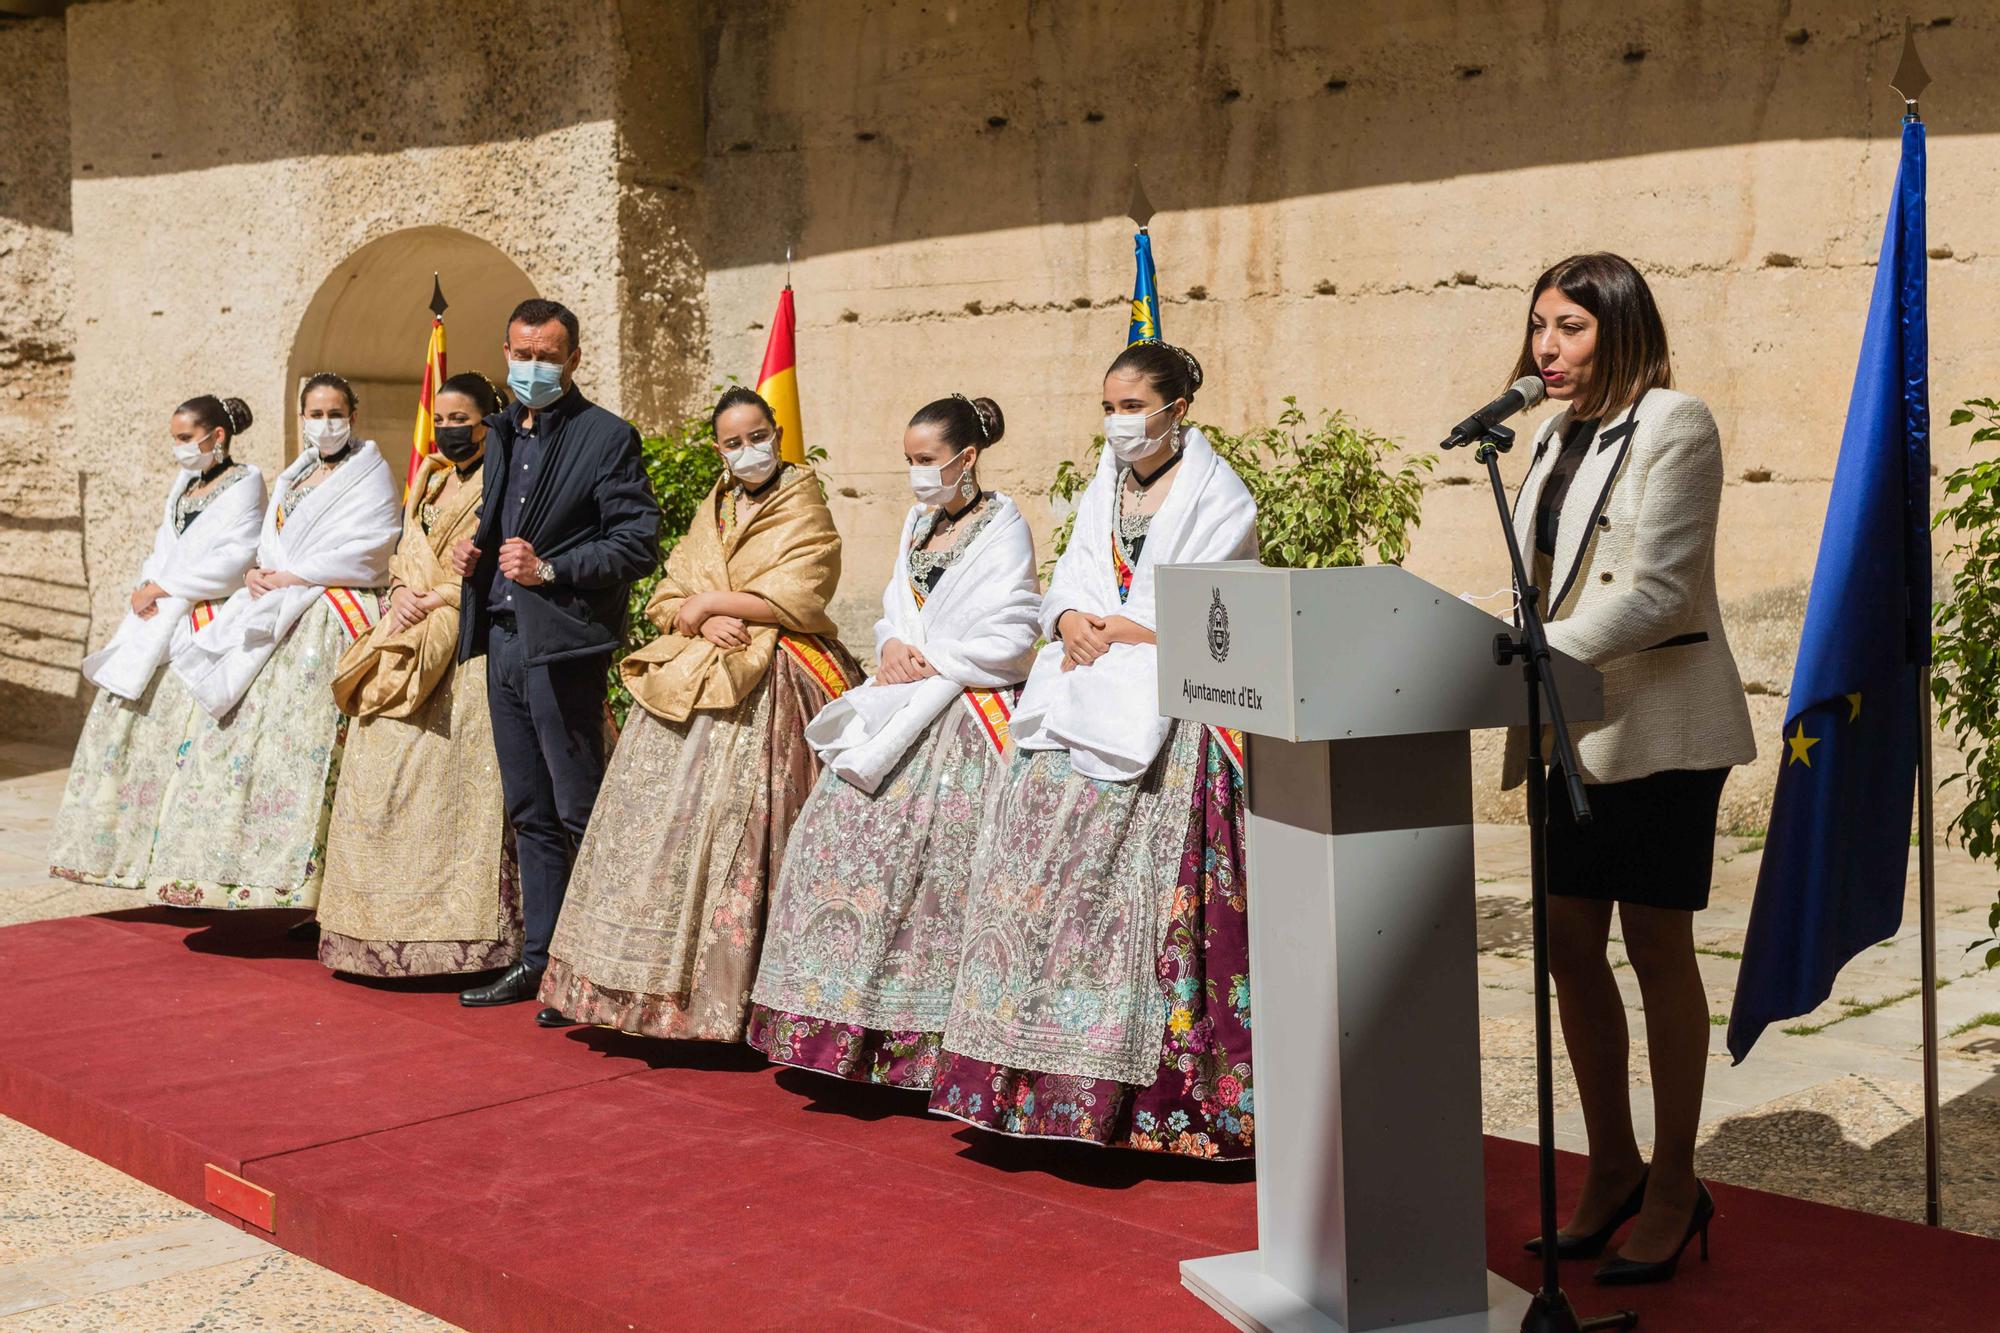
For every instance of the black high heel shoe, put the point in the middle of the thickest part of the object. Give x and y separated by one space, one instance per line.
1592 1243
1621 1272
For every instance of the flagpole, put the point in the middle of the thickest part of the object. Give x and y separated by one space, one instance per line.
1909 80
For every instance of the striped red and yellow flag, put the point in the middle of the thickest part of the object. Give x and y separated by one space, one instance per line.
423 441
778 381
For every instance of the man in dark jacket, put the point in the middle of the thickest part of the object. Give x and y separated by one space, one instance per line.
566 525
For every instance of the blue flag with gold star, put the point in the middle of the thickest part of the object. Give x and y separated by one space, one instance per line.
1145 293
1838 845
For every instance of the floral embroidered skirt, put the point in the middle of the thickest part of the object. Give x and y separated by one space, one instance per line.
111 804
1068 913
420 875
862 948
243 822
664 919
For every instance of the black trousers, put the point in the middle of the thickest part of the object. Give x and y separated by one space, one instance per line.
548 734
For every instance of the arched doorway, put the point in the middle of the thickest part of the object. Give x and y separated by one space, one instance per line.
370 320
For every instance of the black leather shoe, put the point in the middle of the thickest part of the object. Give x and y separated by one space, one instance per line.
548 1017
1591 1243
519 982
1618 1271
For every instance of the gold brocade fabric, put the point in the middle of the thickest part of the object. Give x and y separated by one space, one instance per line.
390 673
787 552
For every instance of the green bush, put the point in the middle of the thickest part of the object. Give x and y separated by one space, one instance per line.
1965 679
1327 492
682 464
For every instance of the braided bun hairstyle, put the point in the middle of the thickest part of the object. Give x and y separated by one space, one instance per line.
964 422
1172 371
211 411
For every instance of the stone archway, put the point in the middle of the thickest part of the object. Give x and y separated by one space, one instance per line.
370 321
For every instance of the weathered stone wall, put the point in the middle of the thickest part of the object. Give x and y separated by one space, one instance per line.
44 601
230 154
1354 202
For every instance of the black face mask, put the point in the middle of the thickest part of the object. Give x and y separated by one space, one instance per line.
456 443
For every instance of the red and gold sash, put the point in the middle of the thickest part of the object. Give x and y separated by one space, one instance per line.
819 664
1120 568
995 712
1231 741
201 615
356 615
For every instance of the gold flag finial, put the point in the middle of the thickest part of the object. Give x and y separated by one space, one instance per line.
1910 78
1141 208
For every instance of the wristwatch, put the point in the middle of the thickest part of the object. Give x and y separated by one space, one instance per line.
545 571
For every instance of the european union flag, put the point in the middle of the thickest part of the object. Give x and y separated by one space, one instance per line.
1838 847
1145 293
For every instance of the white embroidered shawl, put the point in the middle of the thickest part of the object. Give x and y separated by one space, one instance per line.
978 629
341 535
203 563
1107 714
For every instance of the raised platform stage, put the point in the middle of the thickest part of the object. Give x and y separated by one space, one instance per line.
503 1177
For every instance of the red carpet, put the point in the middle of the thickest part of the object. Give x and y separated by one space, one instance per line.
508 1178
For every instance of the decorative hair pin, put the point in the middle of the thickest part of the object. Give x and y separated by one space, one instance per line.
985 431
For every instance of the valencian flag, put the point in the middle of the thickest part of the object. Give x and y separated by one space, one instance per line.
1838 846
423 441
1145 292
778 381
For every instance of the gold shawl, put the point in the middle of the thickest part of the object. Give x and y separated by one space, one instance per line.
387 673
788 554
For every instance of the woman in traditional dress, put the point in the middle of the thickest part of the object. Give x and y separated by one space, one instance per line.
244 821
416 883
862 948
661 928
207 538
1103 987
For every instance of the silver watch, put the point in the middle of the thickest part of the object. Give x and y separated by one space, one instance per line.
545 571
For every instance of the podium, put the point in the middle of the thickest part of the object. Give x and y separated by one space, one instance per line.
1357 688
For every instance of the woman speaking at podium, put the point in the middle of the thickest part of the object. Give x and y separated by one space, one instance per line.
1618 513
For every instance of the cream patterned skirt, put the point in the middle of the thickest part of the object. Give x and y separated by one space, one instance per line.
664 919
124 763
243 823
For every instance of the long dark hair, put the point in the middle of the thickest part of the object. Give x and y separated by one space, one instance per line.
1631 340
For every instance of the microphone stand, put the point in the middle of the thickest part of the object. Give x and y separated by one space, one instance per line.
1550 1310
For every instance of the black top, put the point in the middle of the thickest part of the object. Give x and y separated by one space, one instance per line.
1548 512
575 489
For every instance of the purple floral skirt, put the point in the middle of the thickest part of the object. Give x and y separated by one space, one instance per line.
1200 1105
846 1050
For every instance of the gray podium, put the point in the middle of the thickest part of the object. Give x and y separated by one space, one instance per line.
1358 688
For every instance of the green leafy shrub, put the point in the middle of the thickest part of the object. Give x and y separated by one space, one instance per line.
1965 680
1327 491
682 464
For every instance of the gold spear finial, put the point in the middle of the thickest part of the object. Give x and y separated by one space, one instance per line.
1141 208
1910 78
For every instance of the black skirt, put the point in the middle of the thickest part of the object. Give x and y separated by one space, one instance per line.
1650 841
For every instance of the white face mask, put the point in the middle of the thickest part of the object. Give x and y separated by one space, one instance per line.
1126 434
753 464
327 435
930 487
192 457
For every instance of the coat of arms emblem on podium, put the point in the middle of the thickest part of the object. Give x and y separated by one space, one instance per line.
1218 627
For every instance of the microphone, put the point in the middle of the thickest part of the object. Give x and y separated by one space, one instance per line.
1527 391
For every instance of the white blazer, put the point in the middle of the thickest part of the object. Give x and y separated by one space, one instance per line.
1632 592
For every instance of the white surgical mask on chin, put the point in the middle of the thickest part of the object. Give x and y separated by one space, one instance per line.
192 457
930 487
1125 433
753 464
327 435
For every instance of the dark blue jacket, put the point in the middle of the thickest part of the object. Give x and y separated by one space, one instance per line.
591 515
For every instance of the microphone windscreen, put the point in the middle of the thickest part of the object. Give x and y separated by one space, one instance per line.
1532 390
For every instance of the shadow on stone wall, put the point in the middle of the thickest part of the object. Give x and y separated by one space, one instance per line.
845 125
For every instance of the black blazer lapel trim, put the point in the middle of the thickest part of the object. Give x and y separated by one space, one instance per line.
1626 431
1619 432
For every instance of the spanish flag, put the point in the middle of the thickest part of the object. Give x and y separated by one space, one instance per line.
423 441
778 381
